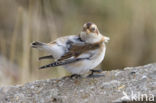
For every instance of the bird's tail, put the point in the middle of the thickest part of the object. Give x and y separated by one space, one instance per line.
40 46
37 44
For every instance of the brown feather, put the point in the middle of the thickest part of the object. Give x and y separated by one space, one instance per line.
77 50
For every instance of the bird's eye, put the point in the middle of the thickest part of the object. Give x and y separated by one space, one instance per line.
92 29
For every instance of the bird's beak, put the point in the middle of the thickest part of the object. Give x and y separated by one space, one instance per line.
88 31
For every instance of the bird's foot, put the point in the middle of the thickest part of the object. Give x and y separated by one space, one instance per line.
72 76
94 71
75 76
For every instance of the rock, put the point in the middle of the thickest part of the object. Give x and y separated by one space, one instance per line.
129 84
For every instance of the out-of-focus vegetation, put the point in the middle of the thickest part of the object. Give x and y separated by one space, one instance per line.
130 24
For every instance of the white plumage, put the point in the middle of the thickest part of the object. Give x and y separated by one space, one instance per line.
77 53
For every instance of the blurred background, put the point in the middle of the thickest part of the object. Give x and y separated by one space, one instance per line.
130 24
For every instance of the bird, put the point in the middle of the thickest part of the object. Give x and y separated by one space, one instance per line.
78 54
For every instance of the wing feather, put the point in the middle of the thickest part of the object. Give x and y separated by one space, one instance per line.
77 50
74 53
59 63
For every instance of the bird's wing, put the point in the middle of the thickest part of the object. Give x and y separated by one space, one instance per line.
75 53
76 50
64 62
61 46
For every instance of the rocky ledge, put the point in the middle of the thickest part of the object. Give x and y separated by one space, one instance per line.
130 84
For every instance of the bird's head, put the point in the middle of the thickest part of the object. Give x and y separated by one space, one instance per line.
90 33
90 29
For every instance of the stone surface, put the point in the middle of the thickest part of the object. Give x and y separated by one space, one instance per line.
107 87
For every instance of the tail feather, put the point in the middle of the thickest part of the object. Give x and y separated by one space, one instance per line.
43 47
46 57
37 44
55 50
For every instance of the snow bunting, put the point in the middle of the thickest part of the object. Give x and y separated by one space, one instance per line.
78 54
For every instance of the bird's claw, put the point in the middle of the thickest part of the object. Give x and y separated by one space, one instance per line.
94 71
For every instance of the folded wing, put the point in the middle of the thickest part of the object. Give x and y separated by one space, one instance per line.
75 53
64 62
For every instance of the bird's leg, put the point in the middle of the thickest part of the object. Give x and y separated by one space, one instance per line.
75 75
94 71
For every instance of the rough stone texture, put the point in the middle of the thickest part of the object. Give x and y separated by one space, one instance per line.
107 88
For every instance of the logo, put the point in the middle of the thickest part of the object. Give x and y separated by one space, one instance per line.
137 96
